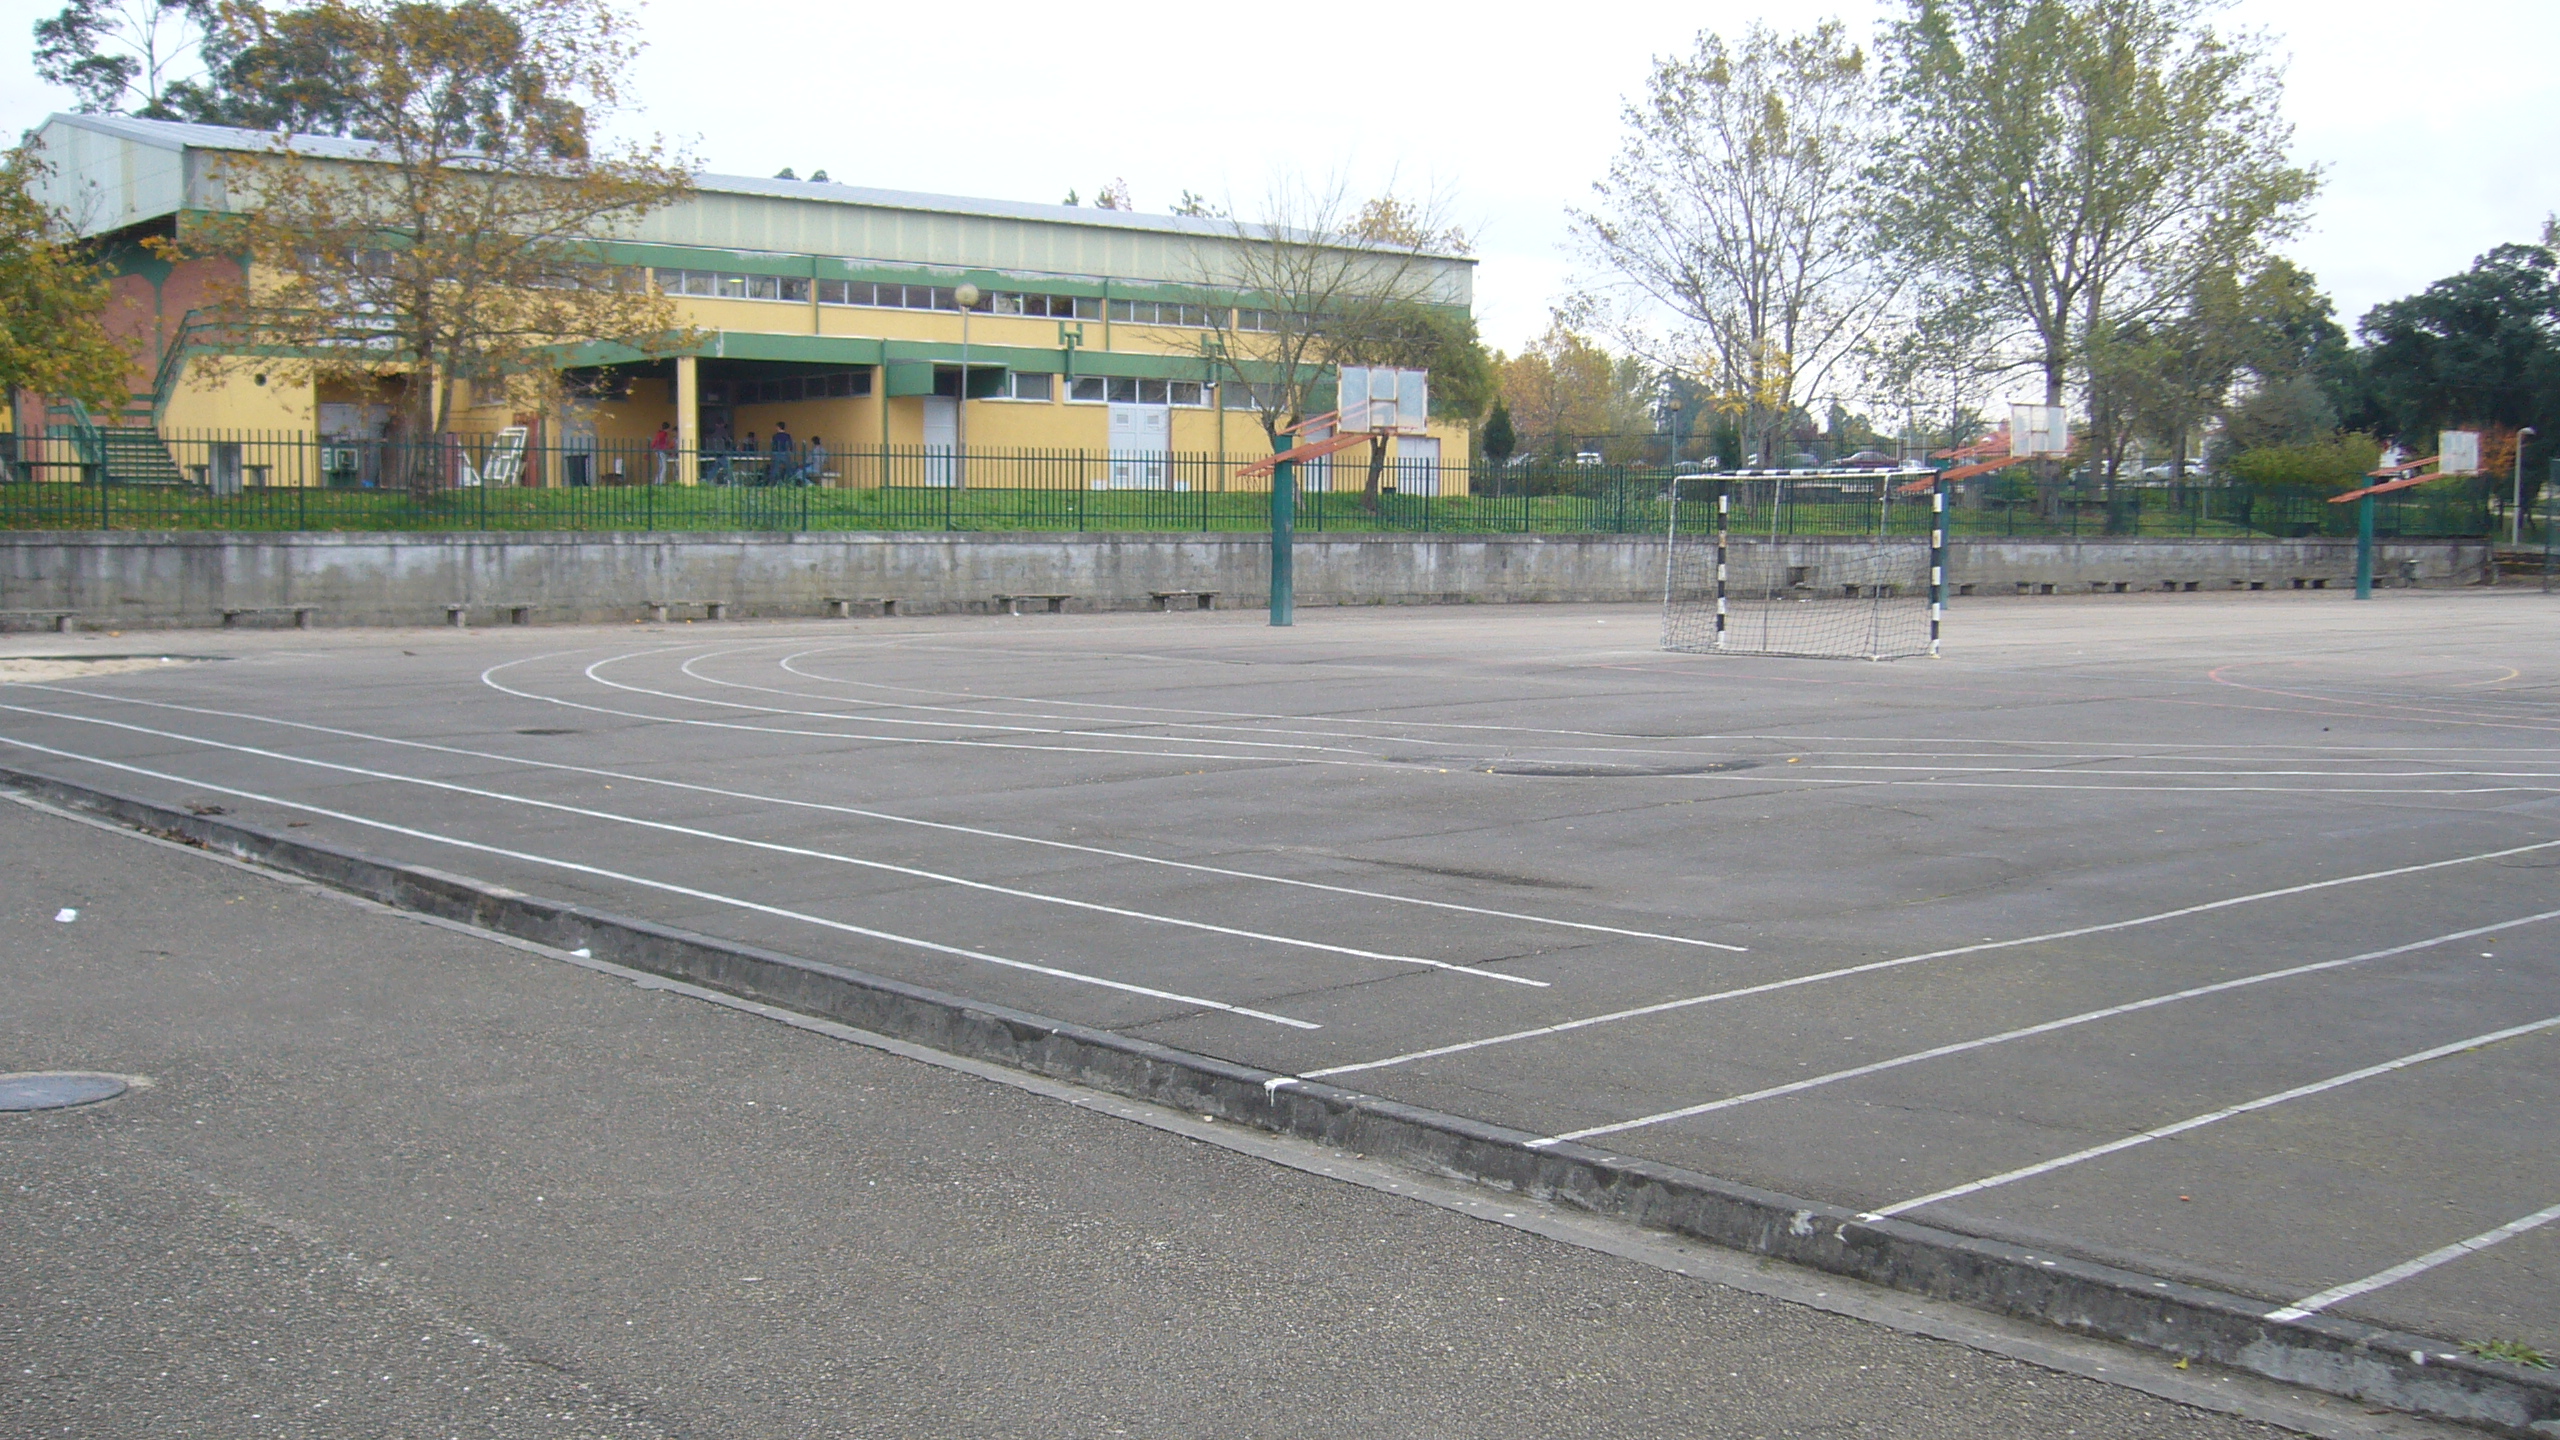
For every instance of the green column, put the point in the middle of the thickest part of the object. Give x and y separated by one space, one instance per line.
1284 543
2364 543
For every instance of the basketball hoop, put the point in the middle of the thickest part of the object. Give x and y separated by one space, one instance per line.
1373 403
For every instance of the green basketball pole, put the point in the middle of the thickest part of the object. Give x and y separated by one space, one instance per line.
1284 543
2364 543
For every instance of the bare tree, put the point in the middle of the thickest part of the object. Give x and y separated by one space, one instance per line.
1732 224
1319 281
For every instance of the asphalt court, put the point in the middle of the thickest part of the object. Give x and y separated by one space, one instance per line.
2214 937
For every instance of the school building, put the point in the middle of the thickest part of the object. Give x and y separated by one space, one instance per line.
833 310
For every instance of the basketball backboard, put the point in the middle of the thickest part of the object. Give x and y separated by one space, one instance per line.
2039 430
1383 398
2457 452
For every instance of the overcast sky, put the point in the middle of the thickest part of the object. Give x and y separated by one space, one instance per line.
2437 127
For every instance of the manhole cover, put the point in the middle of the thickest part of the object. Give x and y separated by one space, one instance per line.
57 1091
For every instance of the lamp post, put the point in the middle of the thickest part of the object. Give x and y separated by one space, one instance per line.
2515 508
967 295
1673 405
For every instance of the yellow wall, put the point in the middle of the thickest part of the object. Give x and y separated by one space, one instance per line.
227 397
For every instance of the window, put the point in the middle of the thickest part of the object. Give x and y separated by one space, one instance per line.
1243 396
721 286
1160 312
1123 390
1025 386
834 385
1257 320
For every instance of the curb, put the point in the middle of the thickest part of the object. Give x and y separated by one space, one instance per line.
2365 1363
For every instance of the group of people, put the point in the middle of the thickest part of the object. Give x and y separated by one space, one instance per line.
725 462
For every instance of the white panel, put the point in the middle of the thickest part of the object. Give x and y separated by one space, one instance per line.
2039 430
2458 452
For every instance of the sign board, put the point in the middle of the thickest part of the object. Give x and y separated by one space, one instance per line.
2039 430
1383 398
2457 452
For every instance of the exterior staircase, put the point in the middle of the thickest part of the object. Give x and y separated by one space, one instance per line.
128 452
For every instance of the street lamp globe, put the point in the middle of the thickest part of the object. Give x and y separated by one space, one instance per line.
967 295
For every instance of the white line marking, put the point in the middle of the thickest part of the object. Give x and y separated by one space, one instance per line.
2211 1117
1873 966
874 739
1749 777
890 817
713 896
1129 733
775 847
2314 1304
2067 1022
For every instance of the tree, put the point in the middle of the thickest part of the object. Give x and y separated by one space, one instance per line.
2477 349
1733 214
136 57
53 302
1499 441
2080 164
1327 282
499 76
1567 388
467 244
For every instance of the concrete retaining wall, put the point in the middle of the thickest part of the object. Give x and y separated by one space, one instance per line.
145 579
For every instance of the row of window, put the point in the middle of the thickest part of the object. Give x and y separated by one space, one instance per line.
834 385
720 285
1018 385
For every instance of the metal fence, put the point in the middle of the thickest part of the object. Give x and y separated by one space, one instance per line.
136 480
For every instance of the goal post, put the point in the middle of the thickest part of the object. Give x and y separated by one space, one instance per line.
1847 564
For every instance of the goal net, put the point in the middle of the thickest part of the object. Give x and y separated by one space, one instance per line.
1824 566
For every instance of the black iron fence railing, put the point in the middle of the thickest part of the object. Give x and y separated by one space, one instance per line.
137 480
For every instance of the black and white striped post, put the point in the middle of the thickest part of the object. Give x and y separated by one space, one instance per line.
1937 562
1724 524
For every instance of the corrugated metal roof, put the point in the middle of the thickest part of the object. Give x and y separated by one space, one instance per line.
176 135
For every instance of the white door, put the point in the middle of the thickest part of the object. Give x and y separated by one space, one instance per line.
1417 465
941 437
1141 441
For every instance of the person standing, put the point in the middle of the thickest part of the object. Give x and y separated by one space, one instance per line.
662 452
777 469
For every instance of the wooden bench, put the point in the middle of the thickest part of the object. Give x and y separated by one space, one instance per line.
1208 599
840 607
711 609
1013 603
301 614
60 620
459 614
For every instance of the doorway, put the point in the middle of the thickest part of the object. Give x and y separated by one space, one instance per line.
1141 446
941 439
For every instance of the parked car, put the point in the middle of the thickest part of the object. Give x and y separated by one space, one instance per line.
1587 457
1870 460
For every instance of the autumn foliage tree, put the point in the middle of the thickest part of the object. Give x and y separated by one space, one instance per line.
53 302
465 243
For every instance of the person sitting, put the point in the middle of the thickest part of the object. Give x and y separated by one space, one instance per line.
813 468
